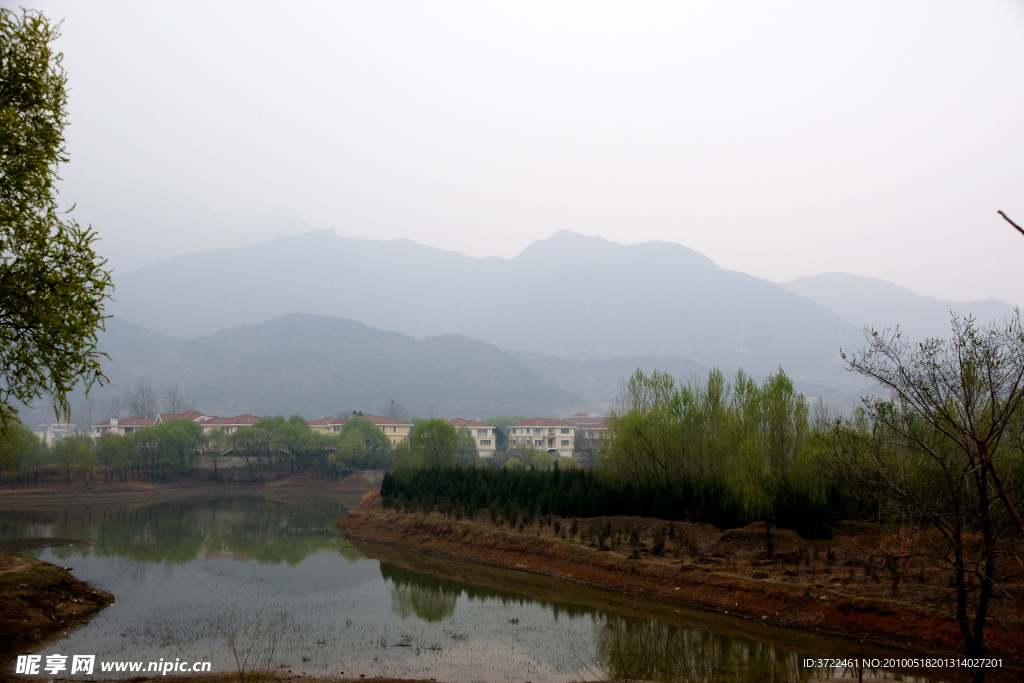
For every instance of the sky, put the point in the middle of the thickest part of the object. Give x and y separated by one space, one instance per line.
780 139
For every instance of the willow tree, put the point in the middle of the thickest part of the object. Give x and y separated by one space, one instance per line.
53 285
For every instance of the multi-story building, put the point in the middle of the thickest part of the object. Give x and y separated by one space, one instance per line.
326 425
194 415
55 431
228 425
122 426
485 435
553 436
395 430
592 434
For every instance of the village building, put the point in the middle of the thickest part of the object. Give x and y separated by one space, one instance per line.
194 415
228 425
55 431
485 435
121 426
592 434
553 436
396 431
326 425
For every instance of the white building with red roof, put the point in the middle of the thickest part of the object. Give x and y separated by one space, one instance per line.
326 425
485 435
553 436
228 425
395 430
121 426
194 415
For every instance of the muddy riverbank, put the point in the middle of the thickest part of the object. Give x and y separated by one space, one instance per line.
41 602
822 607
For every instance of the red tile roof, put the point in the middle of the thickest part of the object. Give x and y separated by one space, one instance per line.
239 420
380 421
128 422
581 420
462 422
193 415
542 422
325 421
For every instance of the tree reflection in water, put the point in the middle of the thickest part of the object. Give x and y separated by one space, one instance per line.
630 648
178 532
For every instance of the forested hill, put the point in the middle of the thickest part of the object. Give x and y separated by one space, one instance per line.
318 365
570 295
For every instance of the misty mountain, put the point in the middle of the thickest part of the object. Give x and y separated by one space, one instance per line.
599 380
574 296
318 365
869 302
143 224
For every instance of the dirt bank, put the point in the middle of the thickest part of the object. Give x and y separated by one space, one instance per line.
41 602
822 607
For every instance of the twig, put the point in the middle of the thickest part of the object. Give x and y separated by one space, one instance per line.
1019 229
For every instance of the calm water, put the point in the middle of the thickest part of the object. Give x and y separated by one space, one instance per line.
191 579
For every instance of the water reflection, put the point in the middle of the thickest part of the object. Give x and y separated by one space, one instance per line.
630 648
178 532
185 589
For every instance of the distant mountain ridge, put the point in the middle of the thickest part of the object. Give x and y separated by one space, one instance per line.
570 295
318 365
870 302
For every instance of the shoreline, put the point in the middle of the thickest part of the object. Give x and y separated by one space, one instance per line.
42 602
816 610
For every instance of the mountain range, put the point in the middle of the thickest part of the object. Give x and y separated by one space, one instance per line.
572 296
318 365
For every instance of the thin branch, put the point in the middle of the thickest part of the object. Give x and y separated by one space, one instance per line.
1019 229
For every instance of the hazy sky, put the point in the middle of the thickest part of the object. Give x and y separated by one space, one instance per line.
778 138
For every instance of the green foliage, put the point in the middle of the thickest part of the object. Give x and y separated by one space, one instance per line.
52 283
20 449
502 423
740 442
466 453
362 445
436 442
718 453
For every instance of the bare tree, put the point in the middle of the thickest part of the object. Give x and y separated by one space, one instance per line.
176 401
394 410
928 451
140 401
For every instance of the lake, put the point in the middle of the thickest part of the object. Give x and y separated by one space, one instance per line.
218 580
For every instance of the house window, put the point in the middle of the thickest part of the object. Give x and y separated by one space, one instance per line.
394 442
538 442
481 432
565 442
565 430
536 431
337 429
485 442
